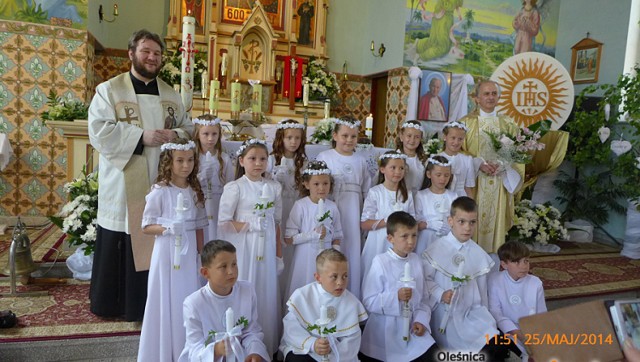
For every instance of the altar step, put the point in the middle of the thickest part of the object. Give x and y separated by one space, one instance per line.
116 349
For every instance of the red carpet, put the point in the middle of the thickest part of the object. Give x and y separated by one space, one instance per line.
62 314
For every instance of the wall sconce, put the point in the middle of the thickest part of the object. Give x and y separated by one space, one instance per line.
101 14
381 50
344 71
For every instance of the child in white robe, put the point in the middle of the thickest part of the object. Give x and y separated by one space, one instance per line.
455 271
324 306
513 292
215 168
462 166
249 218
396 301
310 230
388 196
410 143
163 334
351 181
433 202
286 162
205 311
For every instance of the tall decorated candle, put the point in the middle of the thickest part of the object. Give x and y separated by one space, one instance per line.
368 129
305 94
256 98
205 83
327 106
188 61
235 96
229 324
214 96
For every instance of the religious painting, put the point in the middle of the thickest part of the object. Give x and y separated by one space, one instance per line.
67 13
585 61
433 103
475 36
305 31
237 11
196 9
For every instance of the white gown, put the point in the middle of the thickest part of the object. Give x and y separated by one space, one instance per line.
351 182
463 172
163 334
469 320
379 204
382 338
429 207
237 204
302 220
204 311
212 187
415 174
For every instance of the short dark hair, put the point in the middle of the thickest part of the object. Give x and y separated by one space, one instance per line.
329 255
513 251
400 218
144 34
463 203
213 248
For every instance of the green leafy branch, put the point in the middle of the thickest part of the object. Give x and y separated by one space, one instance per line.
325 216
455 279
323 331
260 206
244 322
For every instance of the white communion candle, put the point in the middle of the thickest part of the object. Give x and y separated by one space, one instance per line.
327 106
228 315
323 313
180 201
407 271
223 65
265 191
460 269
305 94
214 96
188 60
320 207
178 241
368 129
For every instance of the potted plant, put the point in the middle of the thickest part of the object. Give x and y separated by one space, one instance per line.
61 109
537 225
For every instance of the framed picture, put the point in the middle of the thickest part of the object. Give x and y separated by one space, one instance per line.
237 11
433 101
585 61
306 29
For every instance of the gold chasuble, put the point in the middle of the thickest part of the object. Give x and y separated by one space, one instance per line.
495 203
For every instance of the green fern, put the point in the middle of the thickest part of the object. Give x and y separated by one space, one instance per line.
33 14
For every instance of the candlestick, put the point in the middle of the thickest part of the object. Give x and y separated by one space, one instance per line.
177 250
305 94
235 97
327 105
214 97
188 61
368 131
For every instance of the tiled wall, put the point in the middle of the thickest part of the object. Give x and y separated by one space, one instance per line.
110 63
398 86
355 97
35 59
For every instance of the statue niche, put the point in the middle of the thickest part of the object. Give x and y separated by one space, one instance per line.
253 56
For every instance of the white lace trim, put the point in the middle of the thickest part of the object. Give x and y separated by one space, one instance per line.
179 147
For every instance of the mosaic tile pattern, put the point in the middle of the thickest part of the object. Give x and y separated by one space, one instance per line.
398 87
34 59
110 64
355 97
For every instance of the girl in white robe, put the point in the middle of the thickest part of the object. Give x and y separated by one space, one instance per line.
314 225
249 217
410 143
215 168
433 202
388 196
462 166
351 182
163 333
286 162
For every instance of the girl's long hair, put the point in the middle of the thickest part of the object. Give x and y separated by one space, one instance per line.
426 183
250 146
217 147
164 171
300 155
402 185
420 152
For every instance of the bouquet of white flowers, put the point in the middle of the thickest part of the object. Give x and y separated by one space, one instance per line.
518 148
434 146
538 223
78 218
323 131
322 84
172 65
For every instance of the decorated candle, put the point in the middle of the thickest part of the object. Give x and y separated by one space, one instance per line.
214 96
327 105
228 317
256 103
180 202
188 59
305 94
407 271
223 65
320 207
235 96
204 83
368 129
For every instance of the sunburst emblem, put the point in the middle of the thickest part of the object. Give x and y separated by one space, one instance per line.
534 87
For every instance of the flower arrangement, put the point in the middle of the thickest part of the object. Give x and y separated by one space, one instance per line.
517 148
171 70
323 131
78 218
61 109
434 146
539 223
322 84
242 321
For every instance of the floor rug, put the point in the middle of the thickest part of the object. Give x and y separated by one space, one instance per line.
63 314
568 276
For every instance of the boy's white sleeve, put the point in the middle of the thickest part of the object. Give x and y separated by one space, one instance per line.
349 346
374 296
495 305
430 286
296 336
194 347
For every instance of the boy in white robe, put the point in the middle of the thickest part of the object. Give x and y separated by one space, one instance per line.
328 307
395 301
455 272
513 292
205 311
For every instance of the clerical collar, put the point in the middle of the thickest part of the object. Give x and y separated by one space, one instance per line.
141 87
485 114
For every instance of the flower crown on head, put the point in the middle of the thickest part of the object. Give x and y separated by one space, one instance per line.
283 125
177 146
392 154
439 163
206 122
315 168
247 143
355 124
456 124
412 125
